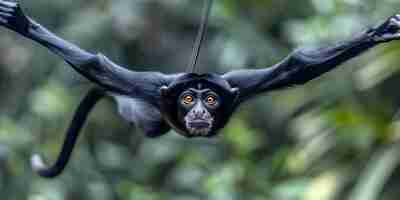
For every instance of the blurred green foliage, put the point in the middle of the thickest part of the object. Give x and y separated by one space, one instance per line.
334 138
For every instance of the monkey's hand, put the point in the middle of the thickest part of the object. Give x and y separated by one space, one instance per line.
388 31
12 16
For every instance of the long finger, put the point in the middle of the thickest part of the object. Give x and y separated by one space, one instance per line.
3 21
5 14
395 21
8 4
391 37
6 9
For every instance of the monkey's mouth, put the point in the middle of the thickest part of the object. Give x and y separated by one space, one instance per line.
199 124
199 127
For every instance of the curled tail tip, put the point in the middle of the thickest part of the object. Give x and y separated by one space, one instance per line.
37 163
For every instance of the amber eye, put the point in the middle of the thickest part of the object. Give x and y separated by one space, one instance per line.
211 100
188 99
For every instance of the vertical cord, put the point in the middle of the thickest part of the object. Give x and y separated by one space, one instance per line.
201 35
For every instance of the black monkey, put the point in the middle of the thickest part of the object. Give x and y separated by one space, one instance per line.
195 105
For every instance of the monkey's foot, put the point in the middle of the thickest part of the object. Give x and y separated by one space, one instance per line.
388 31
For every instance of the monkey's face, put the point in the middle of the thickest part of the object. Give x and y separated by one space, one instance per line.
197 108
198 105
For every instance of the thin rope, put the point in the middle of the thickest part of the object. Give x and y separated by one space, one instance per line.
200 35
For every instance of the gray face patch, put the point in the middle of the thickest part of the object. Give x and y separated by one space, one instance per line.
197 107
198 120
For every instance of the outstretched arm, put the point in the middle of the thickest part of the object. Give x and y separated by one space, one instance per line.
306 64
96 68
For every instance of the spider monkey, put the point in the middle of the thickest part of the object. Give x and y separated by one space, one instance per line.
194 105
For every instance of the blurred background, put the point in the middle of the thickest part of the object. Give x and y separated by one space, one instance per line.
334 138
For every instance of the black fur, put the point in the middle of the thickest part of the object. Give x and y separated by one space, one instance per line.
149 99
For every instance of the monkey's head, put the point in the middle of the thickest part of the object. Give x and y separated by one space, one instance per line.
198 105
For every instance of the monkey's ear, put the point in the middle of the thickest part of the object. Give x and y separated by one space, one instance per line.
235 91
164 90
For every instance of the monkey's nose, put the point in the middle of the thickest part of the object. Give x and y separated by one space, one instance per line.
199 113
